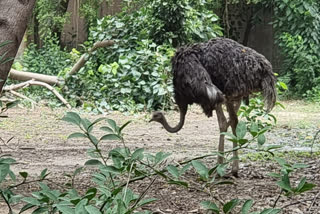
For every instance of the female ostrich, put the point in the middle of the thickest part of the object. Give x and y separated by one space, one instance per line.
220 71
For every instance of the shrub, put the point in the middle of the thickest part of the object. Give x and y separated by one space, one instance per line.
135 74
297 33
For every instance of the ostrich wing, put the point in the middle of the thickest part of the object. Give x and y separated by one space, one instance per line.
192 83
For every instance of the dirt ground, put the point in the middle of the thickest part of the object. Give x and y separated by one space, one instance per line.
40 141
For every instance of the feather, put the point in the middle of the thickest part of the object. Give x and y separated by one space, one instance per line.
208 73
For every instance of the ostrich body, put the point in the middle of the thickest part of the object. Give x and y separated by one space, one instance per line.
220 71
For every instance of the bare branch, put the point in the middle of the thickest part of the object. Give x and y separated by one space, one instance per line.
25 76
43 84
85 56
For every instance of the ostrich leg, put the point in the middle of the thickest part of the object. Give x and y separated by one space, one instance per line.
223 126
232 108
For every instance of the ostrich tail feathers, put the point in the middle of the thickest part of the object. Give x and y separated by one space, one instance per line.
269 92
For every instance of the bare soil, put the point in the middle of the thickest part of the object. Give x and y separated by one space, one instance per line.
40 141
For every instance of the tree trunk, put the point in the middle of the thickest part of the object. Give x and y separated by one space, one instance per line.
14 16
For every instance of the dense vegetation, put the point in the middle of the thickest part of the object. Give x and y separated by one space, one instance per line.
134 74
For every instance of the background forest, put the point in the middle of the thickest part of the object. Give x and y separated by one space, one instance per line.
116 55
134 74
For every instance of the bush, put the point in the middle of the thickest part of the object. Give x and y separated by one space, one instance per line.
135 74
296 23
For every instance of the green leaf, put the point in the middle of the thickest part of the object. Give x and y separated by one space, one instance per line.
208 205
26 207
31 201
201 169
246 206
146 201
281 161
72 117
107 129
87 125
41 210
80 207
93 139
303 186
112 169
274 175
65 209
124 125
285 183
77 135
92 210
43 174
221 169
93 162
96 121
161 156
271 211
110 137
179 183
241 129
228 207
254 129
261 139
91 193
113 124
173 171
272 147
137 154
283 85
24 174
185 168
300 165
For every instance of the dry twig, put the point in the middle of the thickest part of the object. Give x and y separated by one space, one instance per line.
28 83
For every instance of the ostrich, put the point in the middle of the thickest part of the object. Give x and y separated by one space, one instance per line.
220 71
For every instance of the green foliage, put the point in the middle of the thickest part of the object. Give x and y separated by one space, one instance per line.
50 60
284 178
297 32
134 74
181 22
89 9
119 167
51 16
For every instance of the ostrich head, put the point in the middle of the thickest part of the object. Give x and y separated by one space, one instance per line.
160 118
157 116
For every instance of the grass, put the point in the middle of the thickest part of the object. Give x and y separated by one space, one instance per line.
288 155
298 114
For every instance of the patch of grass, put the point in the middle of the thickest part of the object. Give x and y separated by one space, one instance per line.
299 106
288 155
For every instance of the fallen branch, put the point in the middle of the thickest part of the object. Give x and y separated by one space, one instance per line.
25 76
84 58
11 88
23 97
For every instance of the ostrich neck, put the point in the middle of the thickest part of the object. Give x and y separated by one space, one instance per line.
177 128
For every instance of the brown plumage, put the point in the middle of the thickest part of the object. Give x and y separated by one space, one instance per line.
220 71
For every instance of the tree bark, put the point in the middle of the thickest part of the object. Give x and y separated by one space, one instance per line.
14 16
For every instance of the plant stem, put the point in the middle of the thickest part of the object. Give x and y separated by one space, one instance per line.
7 202
275 203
